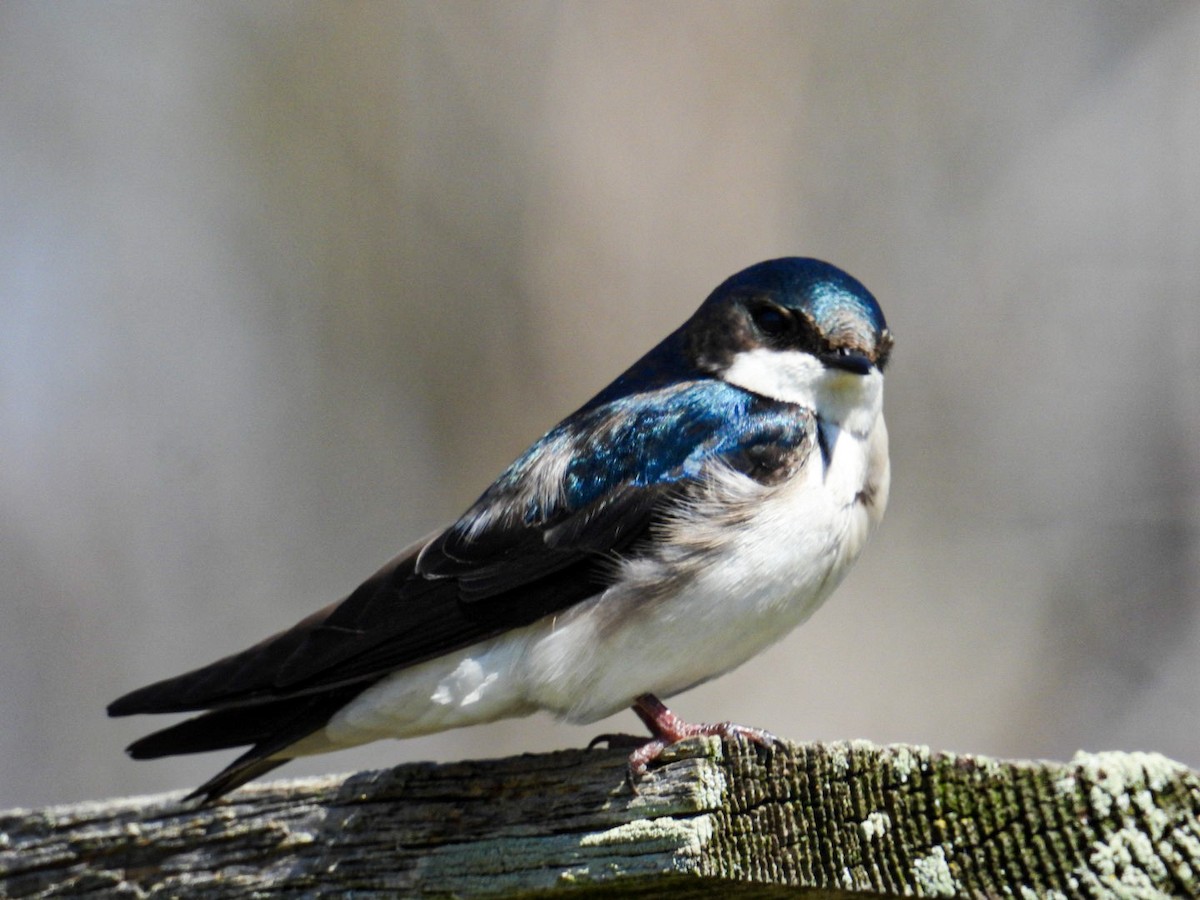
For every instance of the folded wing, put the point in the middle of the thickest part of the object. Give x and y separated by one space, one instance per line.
543 537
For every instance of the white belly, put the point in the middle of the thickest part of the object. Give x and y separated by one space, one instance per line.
788 556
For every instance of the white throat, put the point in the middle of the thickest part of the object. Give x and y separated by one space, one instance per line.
845 399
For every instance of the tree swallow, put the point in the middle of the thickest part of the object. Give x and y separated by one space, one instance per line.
685 518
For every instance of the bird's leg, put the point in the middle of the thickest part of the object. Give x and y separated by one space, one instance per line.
667 729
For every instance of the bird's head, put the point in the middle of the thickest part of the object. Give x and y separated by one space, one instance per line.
797 330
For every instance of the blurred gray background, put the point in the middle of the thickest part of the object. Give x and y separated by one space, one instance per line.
283 286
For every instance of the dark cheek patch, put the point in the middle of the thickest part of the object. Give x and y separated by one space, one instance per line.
717 337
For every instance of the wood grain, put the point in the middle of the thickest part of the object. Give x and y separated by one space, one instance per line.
718 819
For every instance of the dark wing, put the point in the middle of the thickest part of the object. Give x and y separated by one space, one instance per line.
260 673
593 485
542 538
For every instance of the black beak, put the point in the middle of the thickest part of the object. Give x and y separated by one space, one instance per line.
848 361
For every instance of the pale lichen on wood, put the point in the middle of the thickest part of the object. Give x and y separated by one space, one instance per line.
718 819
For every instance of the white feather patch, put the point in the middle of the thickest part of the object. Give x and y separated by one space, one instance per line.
846 399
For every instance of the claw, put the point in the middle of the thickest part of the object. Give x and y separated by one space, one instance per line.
616 740
666 729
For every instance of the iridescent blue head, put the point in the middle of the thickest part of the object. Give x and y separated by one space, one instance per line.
791 304
798 330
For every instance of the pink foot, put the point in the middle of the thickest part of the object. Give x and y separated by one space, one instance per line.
666 729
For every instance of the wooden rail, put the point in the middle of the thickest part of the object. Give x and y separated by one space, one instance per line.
717 820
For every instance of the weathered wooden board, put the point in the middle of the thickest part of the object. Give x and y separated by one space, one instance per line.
719 819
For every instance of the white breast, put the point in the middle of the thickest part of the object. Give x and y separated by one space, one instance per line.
676 620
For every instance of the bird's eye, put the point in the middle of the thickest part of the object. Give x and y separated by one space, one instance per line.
771 320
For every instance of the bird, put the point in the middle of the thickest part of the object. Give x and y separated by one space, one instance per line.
688 516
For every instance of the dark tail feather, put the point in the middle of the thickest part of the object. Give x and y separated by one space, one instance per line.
314 654
246 767
240 679
270 727
293 717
